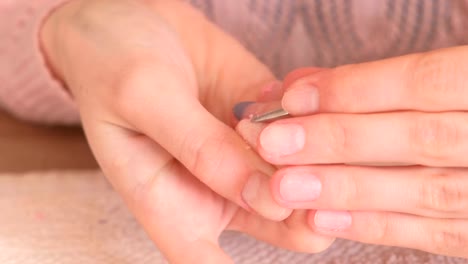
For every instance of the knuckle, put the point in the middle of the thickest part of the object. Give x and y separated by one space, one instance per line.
380 226
348 192
434 138
435 74
448 240
351 99
151 190
441 192
132 85
203 156
337 136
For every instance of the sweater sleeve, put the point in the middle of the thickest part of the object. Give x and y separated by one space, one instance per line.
27 88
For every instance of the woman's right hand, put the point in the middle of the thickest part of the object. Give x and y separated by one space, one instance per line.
155 83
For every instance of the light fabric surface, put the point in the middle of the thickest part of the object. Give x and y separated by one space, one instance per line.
76 217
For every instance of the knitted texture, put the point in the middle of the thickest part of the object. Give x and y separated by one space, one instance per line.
291 34
283 34
27 88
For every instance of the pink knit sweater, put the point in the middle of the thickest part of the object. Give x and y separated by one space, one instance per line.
27 89
283 34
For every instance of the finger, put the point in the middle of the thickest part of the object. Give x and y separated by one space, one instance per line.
438 236
429 192
155 186
293 233
219 61
434 81
437 140
272 91
179 96
298 74
249 132
192 130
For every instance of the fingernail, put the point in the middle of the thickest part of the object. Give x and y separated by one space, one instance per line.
239 109
257 195
301 99
282 139
332 220
300 187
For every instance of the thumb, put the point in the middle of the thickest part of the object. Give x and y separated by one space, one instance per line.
162 195
207 147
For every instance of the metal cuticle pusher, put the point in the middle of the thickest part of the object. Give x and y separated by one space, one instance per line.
270 116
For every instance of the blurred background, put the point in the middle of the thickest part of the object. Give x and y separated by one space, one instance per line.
27 147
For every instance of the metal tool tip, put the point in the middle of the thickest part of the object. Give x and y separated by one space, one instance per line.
270 116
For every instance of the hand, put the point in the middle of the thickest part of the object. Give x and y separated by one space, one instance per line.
409 110
155 83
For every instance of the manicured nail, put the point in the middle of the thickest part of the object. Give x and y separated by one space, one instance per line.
257 195
239 109
334 221
280 140
300 187
301 99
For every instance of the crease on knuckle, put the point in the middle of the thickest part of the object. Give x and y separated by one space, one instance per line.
150 191
448 240
338 137
434 138
380 228
434 75
348 192
129 87
204 157
351 98
441 193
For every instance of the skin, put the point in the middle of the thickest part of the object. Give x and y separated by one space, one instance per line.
407 114
155 83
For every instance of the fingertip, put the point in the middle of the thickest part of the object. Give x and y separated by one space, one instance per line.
301 99
271 92
311 220
298 74
250 132
275 182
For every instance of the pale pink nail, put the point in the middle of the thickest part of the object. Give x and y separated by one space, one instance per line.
300 187
334 221
282 139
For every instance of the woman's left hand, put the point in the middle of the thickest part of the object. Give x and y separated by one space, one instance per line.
411 110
